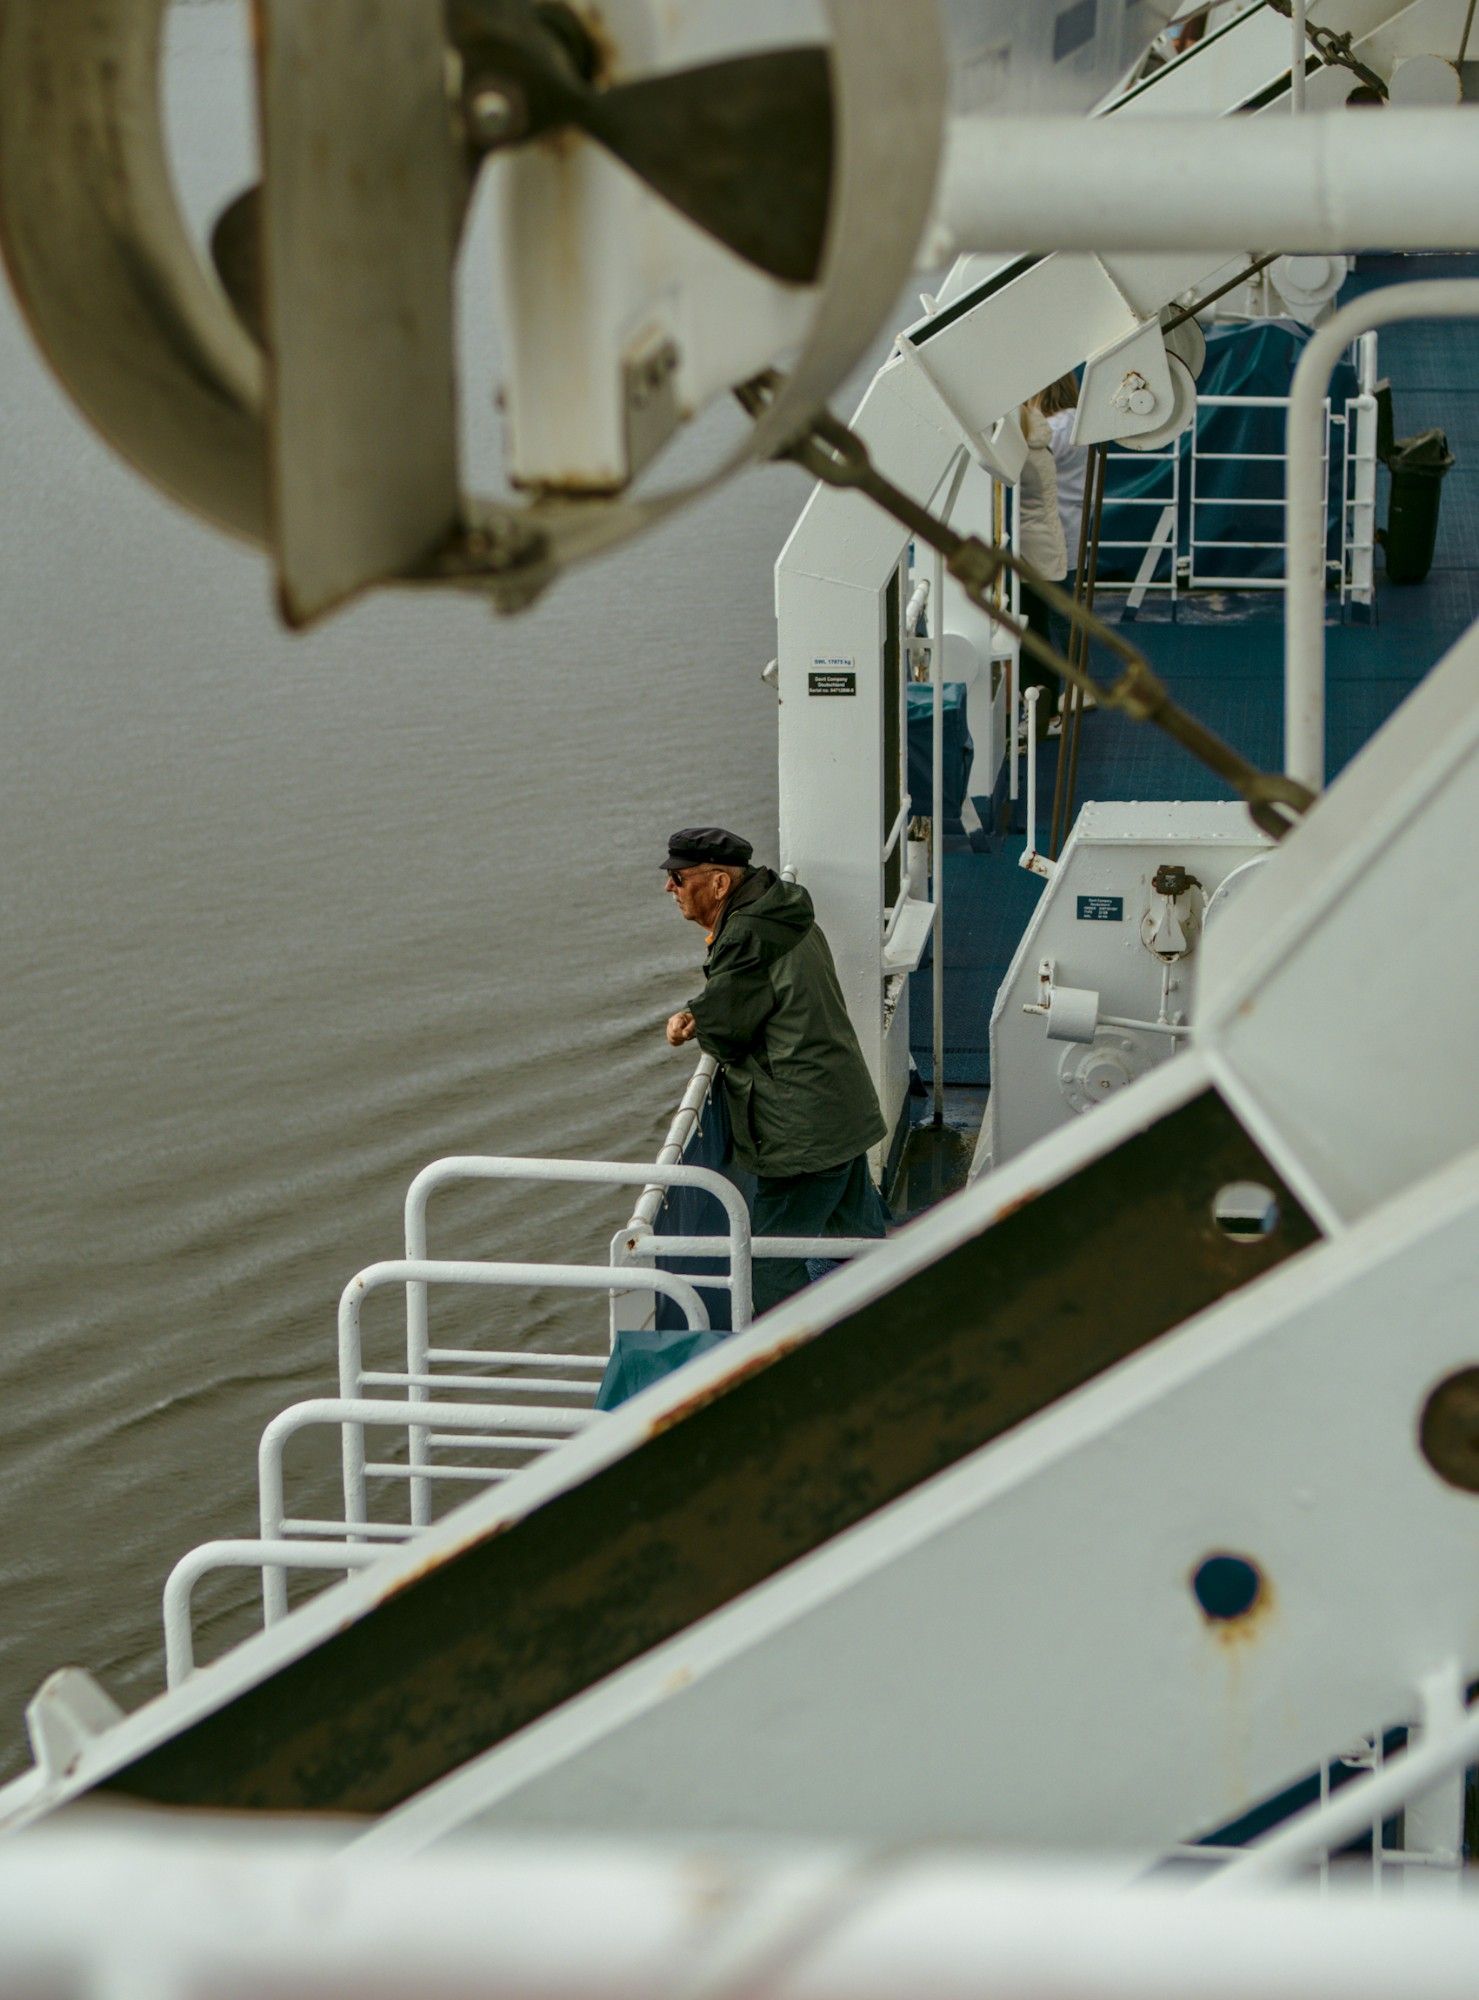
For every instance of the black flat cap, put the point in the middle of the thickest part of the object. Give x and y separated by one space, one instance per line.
707 847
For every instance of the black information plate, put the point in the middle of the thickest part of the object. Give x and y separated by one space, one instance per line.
1101 909
833 681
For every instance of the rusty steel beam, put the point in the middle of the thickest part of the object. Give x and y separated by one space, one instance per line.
749 1478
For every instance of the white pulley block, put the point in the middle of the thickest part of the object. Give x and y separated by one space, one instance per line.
1182 412
1426 81
1308 283
1189 344
1073 1014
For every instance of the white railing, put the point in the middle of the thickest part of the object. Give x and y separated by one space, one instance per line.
687 1124
544 1398
1200 546
1358 494
1424 1784
1036 863
1304 617
1174 556
418 1381
1190 550
1163 542
655 1182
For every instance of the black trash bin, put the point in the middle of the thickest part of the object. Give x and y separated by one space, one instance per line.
1418 466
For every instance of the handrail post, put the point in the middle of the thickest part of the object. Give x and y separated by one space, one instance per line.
1304 623
1299 55
568 1277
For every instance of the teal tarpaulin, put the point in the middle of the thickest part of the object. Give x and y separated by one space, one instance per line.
639 1359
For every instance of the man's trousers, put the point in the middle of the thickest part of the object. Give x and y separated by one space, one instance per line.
842 1201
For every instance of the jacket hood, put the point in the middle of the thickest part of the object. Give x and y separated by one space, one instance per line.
777 914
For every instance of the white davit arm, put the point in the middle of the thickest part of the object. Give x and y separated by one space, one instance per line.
1404 179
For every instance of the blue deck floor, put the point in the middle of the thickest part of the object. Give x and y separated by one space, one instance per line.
1223 658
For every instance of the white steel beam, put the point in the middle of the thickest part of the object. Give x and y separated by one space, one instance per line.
1403 179
1016 1651
174 1910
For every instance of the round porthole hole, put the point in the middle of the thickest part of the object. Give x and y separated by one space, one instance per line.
1448 1430
1247 1211
1227 1587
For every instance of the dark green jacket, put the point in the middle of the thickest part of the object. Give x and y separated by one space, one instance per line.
800 1096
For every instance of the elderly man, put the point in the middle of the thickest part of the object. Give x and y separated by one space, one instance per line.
801 1101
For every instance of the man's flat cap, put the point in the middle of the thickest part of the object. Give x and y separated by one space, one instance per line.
707 847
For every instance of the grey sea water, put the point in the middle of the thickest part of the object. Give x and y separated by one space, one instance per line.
284 919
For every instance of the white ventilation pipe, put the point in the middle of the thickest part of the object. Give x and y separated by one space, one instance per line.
1305 506
1341 180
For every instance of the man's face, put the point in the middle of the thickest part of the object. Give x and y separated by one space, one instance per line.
699 892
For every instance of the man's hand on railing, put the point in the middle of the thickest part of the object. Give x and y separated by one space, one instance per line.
681 1028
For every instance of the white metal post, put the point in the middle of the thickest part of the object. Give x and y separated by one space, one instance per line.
665 1174
937 804
1299 55
1030 698
1304 624
563 1277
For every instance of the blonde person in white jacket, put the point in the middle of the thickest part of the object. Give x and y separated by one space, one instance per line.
1043 548
1059 404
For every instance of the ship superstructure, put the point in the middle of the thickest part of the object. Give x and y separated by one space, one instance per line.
1125 1499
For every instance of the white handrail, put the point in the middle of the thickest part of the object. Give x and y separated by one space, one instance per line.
353 1415
761 1247
179 1590
1030 859
1304 623
682 1129
668 1172
412 1271
1363 1803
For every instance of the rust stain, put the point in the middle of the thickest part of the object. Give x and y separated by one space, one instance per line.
1012 1207
1239 1635
757 1365
431 1564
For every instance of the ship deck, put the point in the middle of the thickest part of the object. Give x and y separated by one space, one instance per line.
1221 654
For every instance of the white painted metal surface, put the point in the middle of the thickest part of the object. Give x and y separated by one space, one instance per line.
174 1912
1023 1655
1363 923
624 1430
1093 924
1334 183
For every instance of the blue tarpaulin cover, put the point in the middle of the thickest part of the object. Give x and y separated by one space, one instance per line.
959 749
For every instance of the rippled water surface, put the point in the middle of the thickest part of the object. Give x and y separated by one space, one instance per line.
285 919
